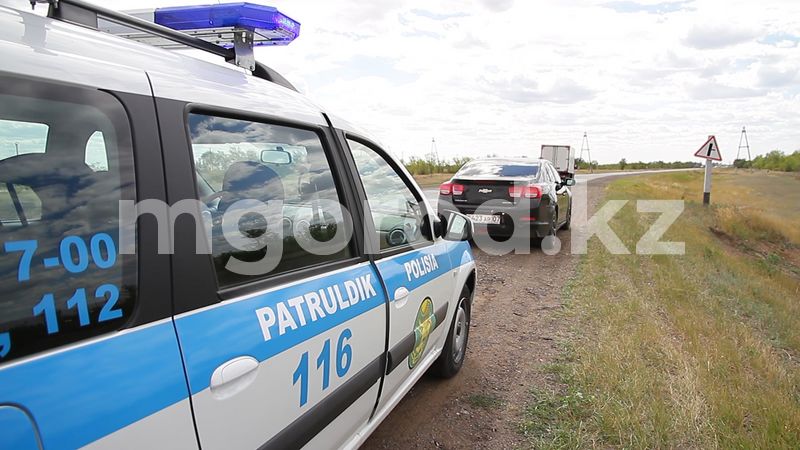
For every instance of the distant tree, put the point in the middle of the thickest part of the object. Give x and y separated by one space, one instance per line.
429 165
741 163
777 160
622 164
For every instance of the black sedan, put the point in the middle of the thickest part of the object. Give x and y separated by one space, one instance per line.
510 197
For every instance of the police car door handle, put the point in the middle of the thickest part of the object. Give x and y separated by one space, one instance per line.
400 297
233 376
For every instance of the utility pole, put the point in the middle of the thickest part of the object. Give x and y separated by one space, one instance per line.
435 154
746 145
585 147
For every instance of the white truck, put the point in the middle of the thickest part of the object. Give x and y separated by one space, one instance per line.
562 157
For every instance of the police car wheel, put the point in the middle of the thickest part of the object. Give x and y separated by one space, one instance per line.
568 223
455 348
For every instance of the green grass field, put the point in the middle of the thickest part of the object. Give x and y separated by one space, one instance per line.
693 351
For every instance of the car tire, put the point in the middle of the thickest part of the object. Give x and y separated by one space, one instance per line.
568 223
455 348
547 242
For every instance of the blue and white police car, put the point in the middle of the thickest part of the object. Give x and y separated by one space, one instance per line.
144 196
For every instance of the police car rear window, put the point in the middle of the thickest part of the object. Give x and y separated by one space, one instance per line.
62 277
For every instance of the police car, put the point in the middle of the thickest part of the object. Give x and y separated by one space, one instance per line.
144 196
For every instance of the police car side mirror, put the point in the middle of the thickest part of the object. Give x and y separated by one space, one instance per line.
459 228
440 225
432 227
437 225
569 182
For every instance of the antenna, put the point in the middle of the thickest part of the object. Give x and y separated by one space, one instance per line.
585 147
746 145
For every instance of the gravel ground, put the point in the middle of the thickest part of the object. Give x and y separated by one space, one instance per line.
515 332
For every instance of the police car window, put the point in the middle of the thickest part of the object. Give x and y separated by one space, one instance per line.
96 157
19 137
269 197
62 278
18 201
396 213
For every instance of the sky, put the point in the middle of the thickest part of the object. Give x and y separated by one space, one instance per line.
646 80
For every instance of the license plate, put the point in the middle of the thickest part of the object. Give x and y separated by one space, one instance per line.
484 218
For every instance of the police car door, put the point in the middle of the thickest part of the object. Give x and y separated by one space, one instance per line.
414 267
282 326
88 352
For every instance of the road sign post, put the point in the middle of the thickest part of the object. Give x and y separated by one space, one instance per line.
710 152
707 183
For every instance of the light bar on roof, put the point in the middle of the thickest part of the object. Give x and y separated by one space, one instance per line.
236 26
270 26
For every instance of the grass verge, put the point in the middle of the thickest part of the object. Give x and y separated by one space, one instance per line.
700 350
432 180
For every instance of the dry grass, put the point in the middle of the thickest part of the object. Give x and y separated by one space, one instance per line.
751 205
693 351
433 180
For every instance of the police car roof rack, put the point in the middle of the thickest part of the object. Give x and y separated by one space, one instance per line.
241 54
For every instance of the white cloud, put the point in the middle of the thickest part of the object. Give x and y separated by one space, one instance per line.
710 35
498 5
521 89
706 90
648 79
775 77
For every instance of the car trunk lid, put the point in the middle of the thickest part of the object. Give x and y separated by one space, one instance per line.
479 190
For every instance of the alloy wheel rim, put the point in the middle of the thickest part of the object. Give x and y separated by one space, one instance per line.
460 333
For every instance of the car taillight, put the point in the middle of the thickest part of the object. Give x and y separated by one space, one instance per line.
533 192
446 188
526 191
458 189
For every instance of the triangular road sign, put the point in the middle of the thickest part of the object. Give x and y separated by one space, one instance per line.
709 150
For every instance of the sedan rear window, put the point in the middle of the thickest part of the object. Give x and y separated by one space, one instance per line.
498 169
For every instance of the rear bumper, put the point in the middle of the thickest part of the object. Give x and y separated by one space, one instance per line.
534 218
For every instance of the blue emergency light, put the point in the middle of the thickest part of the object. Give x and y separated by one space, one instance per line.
270 26
230 30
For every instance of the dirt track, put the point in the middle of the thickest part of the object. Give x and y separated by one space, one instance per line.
514 334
